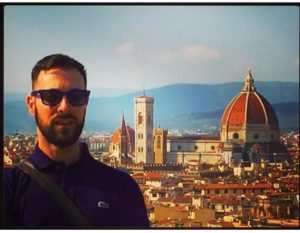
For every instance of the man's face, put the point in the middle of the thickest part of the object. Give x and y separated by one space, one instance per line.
62 124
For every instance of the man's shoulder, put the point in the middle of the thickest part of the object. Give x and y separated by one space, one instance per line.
12 171
14 175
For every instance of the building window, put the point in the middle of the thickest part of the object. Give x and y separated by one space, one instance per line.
226 191
261 190
272 136
234 190
178 147
142 149
158 142
256 136
196 147
217 191
235 136
140 118
212 147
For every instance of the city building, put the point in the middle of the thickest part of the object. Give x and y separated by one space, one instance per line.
160 146
204 148
122 145
143 121
249 122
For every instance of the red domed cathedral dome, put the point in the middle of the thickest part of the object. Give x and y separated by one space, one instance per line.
249 118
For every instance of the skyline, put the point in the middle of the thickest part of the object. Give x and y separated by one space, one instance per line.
132 47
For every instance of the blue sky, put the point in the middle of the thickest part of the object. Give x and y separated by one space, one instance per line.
128 47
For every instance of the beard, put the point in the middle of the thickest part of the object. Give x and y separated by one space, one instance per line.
62 137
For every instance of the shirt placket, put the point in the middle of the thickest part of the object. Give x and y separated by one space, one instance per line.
59 175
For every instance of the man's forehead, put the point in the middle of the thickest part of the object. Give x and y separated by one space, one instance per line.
59 76
58 71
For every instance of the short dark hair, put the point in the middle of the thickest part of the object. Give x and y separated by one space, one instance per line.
57 61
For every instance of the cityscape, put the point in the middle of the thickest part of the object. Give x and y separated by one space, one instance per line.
244 176
210 142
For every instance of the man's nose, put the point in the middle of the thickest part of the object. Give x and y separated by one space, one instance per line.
64 105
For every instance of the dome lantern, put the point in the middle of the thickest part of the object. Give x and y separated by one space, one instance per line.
249 82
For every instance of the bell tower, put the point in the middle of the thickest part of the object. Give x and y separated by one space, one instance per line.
160 145
143 122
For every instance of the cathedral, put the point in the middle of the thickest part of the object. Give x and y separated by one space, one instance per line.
249 131
249 127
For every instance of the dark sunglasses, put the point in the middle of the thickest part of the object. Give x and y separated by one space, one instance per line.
52 97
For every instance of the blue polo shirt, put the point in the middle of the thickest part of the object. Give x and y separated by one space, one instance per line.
109 198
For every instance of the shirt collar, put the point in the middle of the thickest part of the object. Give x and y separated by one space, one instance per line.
40 160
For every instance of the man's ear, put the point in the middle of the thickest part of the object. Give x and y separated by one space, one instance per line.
30 105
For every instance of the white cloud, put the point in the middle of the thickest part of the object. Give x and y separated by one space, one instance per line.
126 48
192 52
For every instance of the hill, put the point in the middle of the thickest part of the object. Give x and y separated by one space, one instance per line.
181 106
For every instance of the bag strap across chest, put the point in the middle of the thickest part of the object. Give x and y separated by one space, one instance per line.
64 202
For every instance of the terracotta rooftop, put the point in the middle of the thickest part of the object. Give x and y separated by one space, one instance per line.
194 137
115 138
232 186
225 200
185 200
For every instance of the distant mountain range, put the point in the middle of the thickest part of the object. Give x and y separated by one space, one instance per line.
178 106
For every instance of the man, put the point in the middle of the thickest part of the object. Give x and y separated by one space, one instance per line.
106 197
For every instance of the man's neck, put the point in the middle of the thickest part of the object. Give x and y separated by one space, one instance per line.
68 155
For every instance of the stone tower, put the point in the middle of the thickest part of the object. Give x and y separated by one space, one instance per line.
143 116
160 145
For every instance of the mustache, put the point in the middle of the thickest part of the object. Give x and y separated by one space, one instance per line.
63 116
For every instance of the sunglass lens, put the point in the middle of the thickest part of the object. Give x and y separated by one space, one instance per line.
51 97
77 97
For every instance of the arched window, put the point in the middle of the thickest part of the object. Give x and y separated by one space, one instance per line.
140 118
178 147
196 147
256 136
212 147
158 142
235 136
